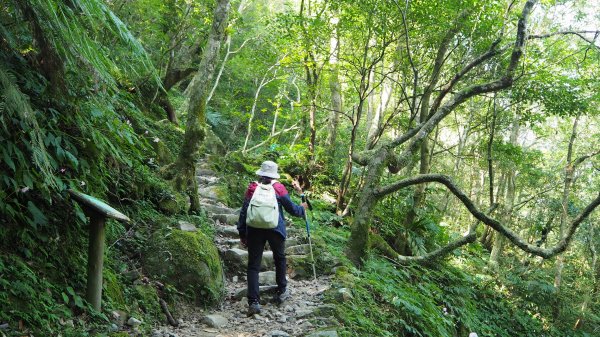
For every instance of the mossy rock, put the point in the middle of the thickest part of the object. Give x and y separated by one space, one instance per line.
189 261
113 290
172 204
344 276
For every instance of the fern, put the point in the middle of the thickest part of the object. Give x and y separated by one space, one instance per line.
17 105
79 32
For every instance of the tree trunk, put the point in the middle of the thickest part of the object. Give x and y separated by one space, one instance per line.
499 240
196 107
370 110
49 62
358 242
595 269
564 214
263 82
336 95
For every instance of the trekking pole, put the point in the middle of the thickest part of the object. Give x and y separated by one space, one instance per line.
312 257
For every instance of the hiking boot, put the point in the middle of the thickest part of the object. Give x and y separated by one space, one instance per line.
253 309
282 296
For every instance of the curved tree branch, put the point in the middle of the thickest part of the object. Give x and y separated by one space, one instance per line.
461 96
579 34
560 247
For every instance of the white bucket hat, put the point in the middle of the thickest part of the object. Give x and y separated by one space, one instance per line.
268 169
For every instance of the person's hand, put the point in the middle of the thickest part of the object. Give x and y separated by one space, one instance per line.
244 242
296 186
305 205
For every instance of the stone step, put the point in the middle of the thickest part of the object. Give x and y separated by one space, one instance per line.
230 219
228 231
267 278
298 249
236 260
204 171
210 202
231 243
291 241
209 192
263 290
214 209
207 180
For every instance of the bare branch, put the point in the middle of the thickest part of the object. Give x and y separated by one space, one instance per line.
579 34
291 128
583 158
560 247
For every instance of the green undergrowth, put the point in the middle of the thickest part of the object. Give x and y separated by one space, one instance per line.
453 298
392 300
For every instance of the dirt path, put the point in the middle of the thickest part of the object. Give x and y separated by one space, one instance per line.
304 314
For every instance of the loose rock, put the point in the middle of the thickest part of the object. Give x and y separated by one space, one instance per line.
134 322
214 321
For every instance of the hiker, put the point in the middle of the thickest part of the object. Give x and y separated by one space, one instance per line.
261 220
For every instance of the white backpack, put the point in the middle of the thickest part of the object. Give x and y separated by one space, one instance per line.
263 210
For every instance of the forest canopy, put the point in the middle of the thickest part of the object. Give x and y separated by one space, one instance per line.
453 138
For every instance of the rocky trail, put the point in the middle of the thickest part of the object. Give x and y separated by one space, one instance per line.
305 314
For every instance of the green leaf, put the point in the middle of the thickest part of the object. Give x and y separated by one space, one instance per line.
78 301
72 158
65 297
8 160
38 217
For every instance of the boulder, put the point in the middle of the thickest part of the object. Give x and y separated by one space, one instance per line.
231 243
187 260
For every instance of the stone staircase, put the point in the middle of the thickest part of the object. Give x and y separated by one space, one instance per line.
304 314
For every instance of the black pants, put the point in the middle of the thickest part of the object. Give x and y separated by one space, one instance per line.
256 244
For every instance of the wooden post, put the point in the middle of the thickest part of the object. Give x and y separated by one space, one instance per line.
95 261
97 210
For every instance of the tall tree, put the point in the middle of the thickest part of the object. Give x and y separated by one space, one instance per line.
185 165
383 156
